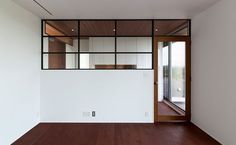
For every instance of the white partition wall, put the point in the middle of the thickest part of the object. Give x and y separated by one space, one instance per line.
115 96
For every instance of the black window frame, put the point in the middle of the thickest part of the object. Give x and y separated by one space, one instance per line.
152 36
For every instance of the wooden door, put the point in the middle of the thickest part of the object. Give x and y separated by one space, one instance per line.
181 115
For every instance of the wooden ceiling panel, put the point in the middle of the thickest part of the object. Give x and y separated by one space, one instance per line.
67 28
171 27
96 28
124 28
134 28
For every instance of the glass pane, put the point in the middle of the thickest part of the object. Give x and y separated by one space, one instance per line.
171 28
60 28
178 74
60 61
60 44
134 61
134 44
97 44
171 76
97 61
96 28
134 28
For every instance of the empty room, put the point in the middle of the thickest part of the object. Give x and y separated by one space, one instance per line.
117 72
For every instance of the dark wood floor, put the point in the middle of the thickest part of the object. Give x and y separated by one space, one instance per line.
164 109
116 134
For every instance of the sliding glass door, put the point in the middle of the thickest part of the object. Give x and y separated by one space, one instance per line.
178 73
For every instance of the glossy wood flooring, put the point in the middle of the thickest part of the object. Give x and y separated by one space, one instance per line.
164 109
116 134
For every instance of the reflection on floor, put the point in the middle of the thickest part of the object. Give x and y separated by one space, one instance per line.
164 109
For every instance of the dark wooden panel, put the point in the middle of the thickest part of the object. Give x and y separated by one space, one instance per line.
56 60
134 28
116 134
170 28
66 28
96 28
124 28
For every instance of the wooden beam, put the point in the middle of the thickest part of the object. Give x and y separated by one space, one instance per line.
51 31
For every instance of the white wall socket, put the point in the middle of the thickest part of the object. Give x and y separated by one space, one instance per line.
86 114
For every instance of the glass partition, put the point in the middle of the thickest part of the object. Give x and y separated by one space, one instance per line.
60 61
97 61
172 73
134 61
97 44
134 44
124 40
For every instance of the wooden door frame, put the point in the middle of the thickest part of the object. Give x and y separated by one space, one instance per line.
166 118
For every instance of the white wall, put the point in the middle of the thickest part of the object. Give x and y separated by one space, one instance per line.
19 71
116 96
213 71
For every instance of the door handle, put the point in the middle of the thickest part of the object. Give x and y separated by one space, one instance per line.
156 83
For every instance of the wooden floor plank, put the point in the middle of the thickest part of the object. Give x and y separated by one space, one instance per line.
115 134
164 109
31 137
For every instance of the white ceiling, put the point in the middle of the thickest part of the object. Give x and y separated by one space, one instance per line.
117 9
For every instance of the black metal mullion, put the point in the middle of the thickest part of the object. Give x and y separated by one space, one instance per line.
60 52
97 52
189 28
115 44
94 69
153 39
60 36
78 57
112 36
42 44
112 19
128 52
102 52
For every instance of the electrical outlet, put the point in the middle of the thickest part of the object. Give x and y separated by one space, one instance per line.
86 114
146 114
93 113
